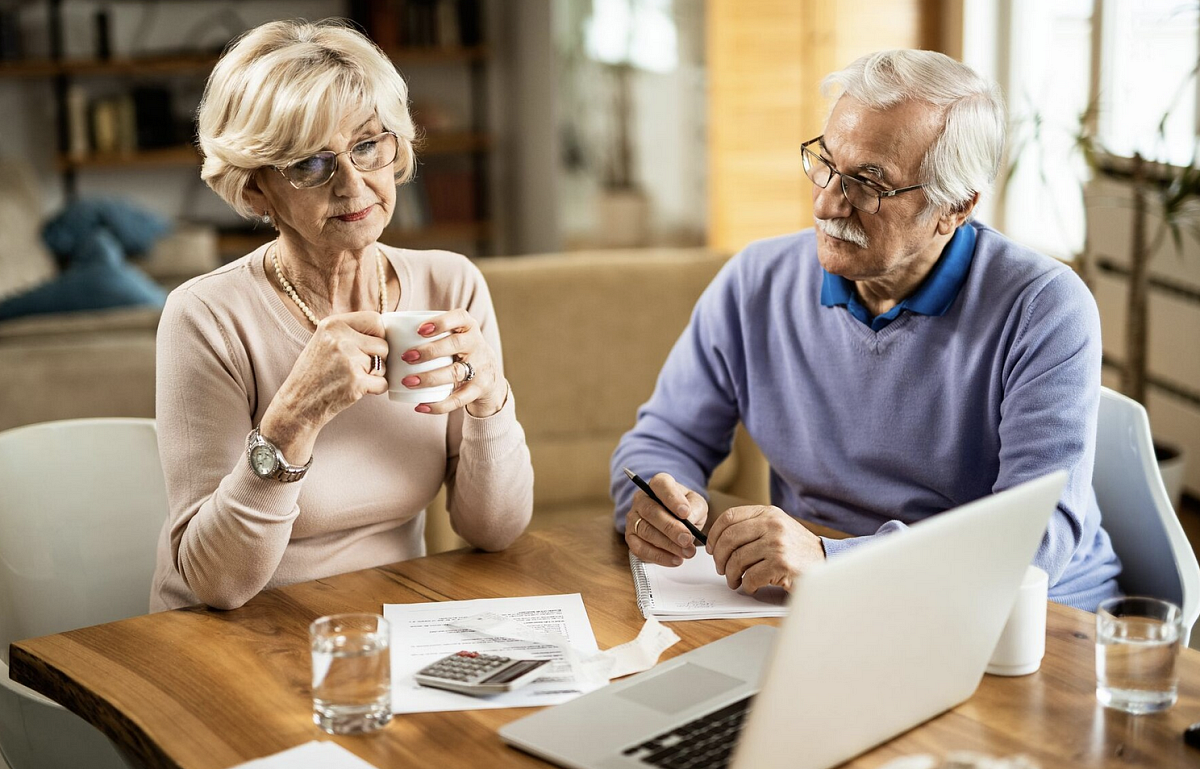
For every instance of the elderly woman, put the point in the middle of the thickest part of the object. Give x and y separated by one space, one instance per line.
282 462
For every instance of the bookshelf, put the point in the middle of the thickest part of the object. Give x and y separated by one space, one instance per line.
137 128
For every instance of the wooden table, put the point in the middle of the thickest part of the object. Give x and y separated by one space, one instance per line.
203 689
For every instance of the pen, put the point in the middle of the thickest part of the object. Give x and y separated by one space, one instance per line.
650 493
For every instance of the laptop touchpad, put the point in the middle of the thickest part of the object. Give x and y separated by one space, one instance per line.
680 688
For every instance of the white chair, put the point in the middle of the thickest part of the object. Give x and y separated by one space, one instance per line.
1156 558
82 503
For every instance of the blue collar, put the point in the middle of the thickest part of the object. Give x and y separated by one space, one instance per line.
934 296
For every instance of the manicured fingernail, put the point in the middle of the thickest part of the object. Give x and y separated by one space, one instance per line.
426 329
411 356
684 538
423 409
411 381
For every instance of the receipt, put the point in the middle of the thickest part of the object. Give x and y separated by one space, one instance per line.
596 669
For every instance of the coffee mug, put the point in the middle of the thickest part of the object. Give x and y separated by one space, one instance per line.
400 330
1022 645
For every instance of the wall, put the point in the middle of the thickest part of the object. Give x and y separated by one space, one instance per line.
766 60
1173 365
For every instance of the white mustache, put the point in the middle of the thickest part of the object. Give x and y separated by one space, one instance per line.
844 229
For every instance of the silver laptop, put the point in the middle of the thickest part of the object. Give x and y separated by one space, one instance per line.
880 639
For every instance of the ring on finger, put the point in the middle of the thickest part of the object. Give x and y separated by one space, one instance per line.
467 377
376 364
636 523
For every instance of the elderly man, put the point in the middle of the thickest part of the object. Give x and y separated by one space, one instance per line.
894 362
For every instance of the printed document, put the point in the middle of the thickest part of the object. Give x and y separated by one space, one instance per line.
423 633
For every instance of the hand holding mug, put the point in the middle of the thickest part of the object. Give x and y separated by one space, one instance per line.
447 357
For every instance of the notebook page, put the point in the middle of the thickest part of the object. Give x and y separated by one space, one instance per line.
695 591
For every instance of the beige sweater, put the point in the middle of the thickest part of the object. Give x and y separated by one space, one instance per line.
226 342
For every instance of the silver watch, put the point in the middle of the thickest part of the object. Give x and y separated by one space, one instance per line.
266 460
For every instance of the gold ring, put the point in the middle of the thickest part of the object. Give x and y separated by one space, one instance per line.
636 524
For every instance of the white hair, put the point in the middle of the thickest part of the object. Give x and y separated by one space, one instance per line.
281 91
965 157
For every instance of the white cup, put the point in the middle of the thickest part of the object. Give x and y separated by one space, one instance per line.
400 330
1023 642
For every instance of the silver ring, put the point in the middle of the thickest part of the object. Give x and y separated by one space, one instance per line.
470 371
376 363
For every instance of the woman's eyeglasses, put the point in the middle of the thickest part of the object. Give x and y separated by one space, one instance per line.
860 193
369 155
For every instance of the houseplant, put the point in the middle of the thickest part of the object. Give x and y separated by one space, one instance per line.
1163 201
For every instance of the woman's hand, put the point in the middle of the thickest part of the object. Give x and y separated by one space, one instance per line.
332 373
485 392
655 535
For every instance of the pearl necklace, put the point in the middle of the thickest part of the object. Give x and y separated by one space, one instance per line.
290 290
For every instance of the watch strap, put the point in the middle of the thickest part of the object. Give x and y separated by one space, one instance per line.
283 472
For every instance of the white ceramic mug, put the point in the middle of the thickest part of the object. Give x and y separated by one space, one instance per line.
400 330
1022 645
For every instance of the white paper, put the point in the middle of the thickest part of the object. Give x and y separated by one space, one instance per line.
422 634
633 656
310 755
694 590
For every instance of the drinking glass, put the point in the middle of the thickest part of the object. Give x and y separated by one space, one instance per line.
351 673
1137 643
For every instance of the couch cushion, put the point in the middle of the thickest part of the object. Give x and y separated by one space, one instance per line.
584 338
24 259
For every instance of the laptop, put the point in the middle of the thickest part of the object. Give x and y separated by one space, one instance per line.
877 641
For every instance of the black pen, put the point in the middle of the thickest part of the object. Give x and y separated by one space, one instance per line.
650 493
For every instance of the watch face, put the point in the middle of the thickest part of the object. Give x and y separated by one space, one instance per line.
263 460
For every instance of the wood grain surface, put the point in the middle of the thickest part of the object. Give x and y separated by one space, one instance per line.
203 689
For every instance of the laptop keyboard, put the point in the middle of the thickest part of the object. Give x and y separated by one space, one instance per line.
707 742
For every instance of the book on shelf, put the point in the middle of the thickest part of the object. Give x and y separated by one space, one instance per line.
451 195
123 123
419 23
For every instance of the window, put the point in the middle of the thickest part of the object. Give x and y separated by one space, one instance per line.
1121 64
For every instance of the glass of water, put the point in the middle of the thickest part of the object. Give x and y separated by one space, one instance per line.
1137 643
351 673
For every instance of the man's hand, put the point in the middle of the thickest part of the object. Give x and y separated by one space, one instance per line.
757 545
653 534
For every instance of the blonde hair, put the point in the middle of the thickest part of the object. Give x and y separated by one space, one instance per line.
282 90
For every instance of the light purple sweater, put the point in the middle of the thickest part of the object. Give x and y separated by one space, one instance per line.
866 431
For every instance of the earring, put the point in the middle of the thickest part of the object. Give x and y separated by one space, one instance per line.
266 218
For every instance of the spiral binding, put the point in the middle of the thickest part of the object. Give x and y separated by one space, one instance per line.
641 585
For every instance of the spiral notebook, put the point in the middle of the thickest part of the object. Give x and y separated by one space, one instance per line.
695 591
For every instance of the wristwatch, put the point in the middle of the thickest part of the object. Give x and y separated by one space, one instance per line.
266 460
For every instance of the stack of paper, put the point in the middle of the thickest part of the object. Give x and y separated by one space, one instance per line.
695 591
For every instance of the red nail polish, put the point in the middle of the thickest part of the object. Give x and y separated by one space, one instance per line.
411 381
426 329
423 409
410 356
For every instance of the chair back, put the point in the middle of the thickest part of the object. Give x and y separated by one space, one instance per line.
1156 558
82 503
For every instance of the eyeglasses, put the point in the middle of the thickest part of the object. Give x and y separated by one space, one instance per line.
860 193
370 155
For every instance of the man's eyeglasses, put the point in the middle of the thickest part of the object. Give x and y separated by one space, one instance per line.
369 155
860 193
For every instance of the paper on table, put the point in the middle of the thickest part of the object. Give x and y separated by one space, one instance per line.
634 656
310 755
694 590
422 633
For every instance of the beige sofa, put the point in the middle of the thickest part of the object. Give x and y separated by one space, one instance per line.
584 337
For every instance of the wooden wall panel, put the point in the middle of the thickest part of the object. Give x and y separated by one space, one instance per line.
766 59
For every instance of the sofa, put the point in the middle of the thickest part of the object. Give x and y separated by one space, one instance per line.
584 335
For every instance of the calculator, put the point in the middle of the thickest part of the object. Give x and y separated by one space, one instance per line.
475 673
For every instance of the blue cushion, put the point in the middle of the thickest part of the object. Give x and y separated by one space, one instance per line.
97 278
135 229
